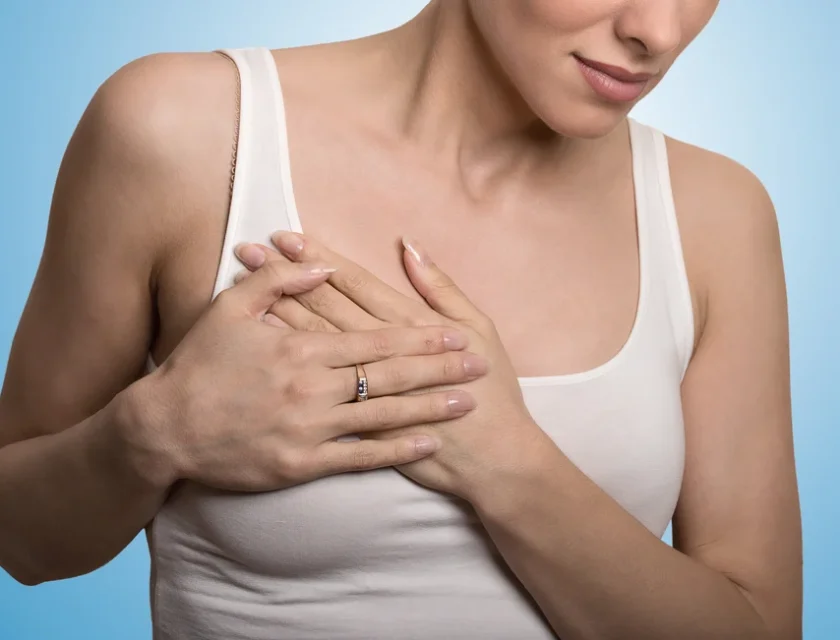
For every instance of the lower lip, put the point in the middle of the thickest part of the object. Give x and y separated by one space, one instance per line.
610 88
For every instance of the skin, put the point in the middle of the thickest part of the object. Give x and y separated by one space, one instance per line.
473 118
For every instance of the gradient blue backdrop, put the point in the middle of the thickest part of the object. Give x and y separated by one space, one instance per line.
758 85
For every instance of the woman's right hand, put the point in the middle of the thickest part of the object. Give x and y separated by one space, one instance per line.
246 405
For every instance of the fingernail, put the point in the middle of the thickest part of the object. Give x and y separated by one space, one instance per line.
288 242
240 276
415 250
425 445
474 365
249 254
320 270
270 318
454 340
460 402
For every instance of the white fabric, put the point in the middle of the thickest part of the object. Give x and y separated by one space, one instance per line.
374 556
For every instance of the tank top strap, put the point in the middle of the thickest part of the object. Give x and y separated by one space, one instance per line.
660 242
262 200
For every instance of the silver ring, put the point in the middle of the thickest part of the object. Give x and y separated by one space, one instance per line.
361 384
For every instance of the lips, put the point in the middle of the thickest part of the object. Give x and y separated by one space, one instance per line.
612 83
619 73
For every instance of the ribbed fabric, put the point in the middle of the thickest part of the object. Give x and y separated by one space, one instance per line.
374 556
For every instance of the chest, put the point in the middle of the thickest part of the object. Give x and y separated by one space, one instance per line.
555 266
556 269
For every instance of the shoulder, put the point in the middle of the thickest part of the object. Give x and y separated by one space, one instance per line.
158 137
727 221
152 98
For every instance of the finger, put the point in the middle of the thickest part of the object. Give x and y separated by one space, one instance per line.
253 255
333 306
325 301
273 280
438 289
358 284
348 348
293 314
399 375
365 455
392 412
270 318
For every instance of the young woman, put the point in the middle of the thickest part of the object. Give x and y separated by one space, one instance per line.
490 336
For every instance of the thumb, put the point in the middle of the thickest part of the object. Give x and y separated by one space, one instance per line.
275 279
442 294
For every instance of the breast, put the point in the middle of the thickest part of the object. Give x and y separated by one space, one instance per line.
378 544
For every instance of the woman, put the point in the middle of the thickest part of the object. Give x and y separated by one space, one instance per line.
482 435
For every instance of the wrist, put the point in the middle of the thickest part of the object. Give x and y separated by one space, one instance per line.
528 469
141 419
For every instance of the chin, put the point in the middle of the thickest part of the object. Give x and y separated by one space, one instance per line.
583 120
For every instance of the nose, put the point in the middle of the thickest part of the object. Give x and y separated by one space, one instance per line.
651 26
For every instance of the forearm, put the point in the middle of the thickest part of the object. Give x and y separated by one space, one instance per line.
596 572
71 501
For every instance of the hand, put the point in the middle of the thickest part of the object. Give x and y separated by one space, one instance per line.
499 433
250 406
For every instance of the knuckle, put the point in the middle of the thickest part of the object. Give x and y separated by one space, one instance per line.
291 466
316 324
381 344
355 281
317 298
285 461
413 317
296 350
363 458
382 414
338 343
433 341
301 388
453 366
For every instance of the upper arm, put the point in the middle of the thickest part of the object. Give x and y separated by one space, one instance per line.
89 319
738 510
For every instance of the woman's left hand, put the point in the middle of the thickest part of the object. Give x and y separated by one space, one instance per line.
499 434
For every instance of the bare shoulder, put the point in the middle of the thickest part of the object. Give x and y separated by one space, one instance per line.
727 221
178 113
167 120
142 188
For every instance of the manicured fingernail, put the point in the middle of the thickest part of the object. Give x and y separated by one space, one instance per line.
425 445
454 340
460 402
415 250
270 318
320 270
474 365
288 242
250 255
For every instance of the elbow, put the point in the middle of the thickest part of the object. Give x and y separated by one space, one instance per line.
32 574
26 577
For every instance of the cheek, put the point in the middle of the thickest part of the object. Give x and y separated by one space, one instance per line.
568 16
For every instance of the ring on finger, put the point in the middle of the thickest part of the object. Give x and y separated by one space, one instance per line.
361 384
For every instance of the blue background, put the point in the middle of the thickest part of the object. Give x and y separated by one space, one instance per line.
759 85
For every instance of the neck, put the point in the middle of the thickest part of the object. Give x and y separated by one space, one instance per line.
455 95
451 97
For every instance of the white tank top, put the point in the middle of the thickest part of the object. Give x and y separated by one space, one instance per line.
372 555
